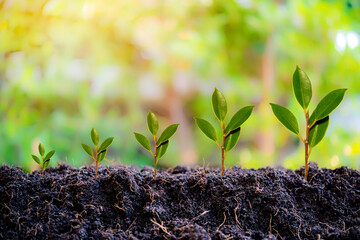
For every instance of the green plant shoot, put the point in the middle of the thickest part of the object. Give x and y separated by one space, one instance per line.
45 159
100 151
231 131
161 143
316 123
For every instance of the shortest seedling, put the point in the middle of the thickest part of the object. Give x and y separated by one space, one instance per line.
45 161
100 152
161 143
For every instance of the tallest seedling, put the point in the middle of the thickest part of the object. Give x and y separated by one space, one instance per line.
316 123
230 132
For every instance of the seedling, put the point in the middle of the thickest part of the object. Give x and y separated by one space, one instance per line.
100 152
316 123
161 143
45 161
230 132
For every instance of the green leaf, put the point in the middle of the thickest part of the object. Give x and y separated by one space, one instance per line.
206 128
88 150
36 159
102 156
167 133
41 149
232 139
286 118
49 155
94 136
153 123
318 131
239 118
46 163
328 104
105 144
302 87
219 104
143 141
161 150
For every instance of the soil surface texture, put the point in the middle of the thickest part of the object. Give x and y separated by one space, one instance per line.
125 202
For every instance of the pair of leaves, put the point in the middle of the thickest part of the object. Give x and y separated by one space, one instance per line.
316 133
232 130
161 150
319 119
230 140
163 141
101 151
46 159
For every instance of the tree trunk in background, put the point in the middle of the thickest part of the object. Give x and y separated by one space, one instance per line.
185 138
265 138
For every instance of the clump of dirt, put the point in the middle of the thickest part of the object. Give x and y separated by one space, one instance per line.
125 202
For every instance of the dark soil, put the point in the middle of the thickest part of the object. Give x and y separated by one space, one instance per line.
128 203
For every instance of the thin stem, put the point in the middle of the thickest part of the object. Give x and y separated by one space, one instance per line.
155 158
42 166
223 149
307 145
97 164
96 161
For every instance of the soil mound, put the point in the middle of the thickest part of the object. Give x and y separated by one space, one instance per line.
125 202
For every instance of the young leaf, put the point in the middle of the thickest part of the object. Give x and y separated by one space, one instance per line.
167 133
102 156
49 155
232 139
328 104
206 128
162 149
239 118
88 150
36 159
219 104
143 141
286 118
153 123
41 149
302 87
317 132
46 163
94 137
105 144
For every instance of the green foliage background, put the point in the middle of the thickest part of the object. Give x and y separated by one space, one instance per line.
67 66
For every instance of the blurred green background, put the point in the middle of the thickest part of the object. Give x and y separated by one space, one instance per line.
67 66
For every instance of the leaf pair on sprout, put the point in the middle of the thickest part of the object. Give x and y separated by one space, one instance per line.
231 131
316 123
45 159
161 143
100 152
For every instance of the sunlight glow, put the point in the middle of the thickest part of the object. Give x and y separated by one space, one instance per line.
346 39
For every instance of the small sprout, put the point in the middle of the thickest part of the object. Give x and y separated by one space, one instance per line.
316 123
231 131
100 152
161 143
45 159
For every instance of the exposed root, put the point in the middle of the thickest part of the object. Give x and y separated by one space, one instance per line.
222 222
160 226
